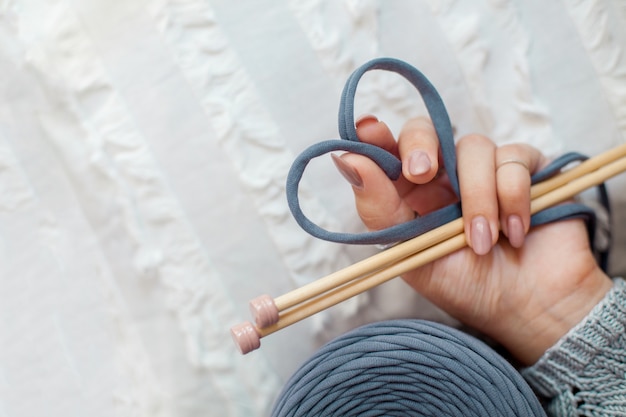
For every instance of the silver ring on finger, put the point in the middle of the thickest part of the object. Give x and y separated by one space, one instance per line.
513 161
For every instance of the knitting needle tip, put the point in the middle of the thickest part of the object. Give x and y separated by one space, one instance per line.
264 311
246 337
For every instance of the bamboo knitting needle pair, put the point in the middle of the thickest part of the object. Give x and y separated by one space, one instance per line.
271 315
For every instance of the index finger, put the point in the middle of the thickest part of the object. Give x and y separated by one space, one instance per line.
370 130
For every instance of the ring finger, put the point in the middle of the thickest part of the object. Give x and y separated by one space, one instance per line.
514 166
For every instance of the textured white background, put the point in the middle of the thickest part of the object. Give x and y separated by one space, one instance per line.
144 146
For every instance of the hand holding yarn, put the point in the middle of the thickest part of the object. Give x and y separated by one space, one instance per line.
526 289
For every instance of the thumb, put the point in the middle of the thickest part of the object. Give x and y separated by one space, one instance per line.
377 200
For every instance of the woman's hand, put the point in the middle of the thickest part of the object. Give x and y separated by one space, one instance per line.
526 289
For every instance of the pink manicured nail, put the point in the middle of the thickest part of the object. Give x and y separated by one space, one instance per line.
480 235
348 172
366 118
515 231
419 163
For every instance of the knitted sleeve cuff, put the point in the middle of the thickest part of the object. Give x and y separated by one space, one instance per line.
586 367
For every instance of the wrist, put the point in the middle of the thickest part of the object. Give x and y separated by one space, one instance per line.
549 315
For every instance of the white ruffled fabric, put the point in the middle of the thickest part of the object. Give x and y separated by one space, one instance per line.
144 146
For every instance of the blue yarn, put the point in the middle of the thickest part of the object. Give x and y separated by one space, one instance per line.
392 167
388 162
406 368
409 367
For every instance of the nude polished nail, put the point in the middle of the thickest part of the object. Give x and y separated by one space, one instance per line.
348 172
419 163
515 231
480 235
365 119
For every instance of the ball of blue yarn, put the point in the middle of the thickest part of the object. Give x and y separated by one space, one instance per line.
406 368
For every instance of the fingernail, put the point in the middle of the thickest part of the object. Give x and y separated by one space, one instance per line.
515 231
366 118
348 172
480 235
419 163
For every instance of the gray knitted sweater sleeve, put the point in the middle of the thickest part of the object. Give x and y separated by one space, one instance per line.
584 374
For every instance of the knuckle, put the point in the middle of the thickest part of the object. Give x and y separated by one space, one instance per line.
418 126
513 149
513 193
475 139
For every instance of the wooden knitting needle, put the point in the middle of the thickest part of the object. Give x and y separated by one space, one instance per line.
347 283
265 310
